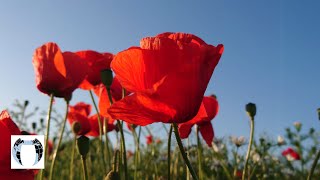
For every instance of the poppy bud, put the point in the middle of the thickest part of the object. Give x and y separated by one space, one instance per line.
281 141
106 77
34 126
318 110
251 109
214 96
83 145
26 102
297 125
41 121
311 131
112 175
76 127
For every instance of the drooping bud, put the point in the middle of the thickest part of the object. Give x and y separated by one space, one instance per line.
34 126
214 96
26 102
41 121
251 109
106 77
83 145
76 127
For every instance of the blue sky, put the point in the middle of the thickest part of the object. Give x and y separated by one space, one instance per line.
271 53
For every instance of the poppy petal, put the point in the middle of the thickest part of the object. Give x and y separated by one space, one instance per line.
207 132
83 120
139 68
96 62
185 130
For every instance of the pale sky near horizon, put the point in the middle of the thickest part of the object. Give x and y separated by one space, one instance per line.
271 52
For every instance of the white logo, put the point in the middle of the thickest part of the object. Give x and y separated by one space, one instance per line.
27 151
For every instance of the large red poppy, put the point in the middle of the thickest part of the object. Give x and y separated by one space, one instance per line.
89 124
58 72
8 128
208 110
97 62
168 74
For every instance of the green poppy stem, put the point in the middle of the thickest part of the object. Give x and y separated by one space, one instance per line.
124 154
249 148
183 153
169 152
314 164
100 131
137 153
105 129
84 167
199 149
72 155
48 131
59 141
123 144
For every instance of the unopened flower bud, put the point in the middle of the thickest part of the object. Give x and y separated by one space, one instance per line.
106 77
34 126
297 125
281 140
251 109
26 102
76 127
83 145
214 96
41 121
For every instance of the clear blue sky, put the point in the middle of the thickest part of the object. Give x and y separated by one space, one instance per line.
271 57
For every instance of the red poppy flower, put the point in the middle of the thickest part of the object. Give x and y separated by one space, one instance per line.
291 154
94 125
58 72
149 139
208 110
80 113
8 128
101 92
89 124
97 62
168 74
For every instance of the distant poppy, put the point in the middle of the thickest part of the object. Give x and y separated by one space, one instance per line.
80 112
168 75
96 62
94 125
58 72
208 110
158 141
291 154
89 124
8 128
149 139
